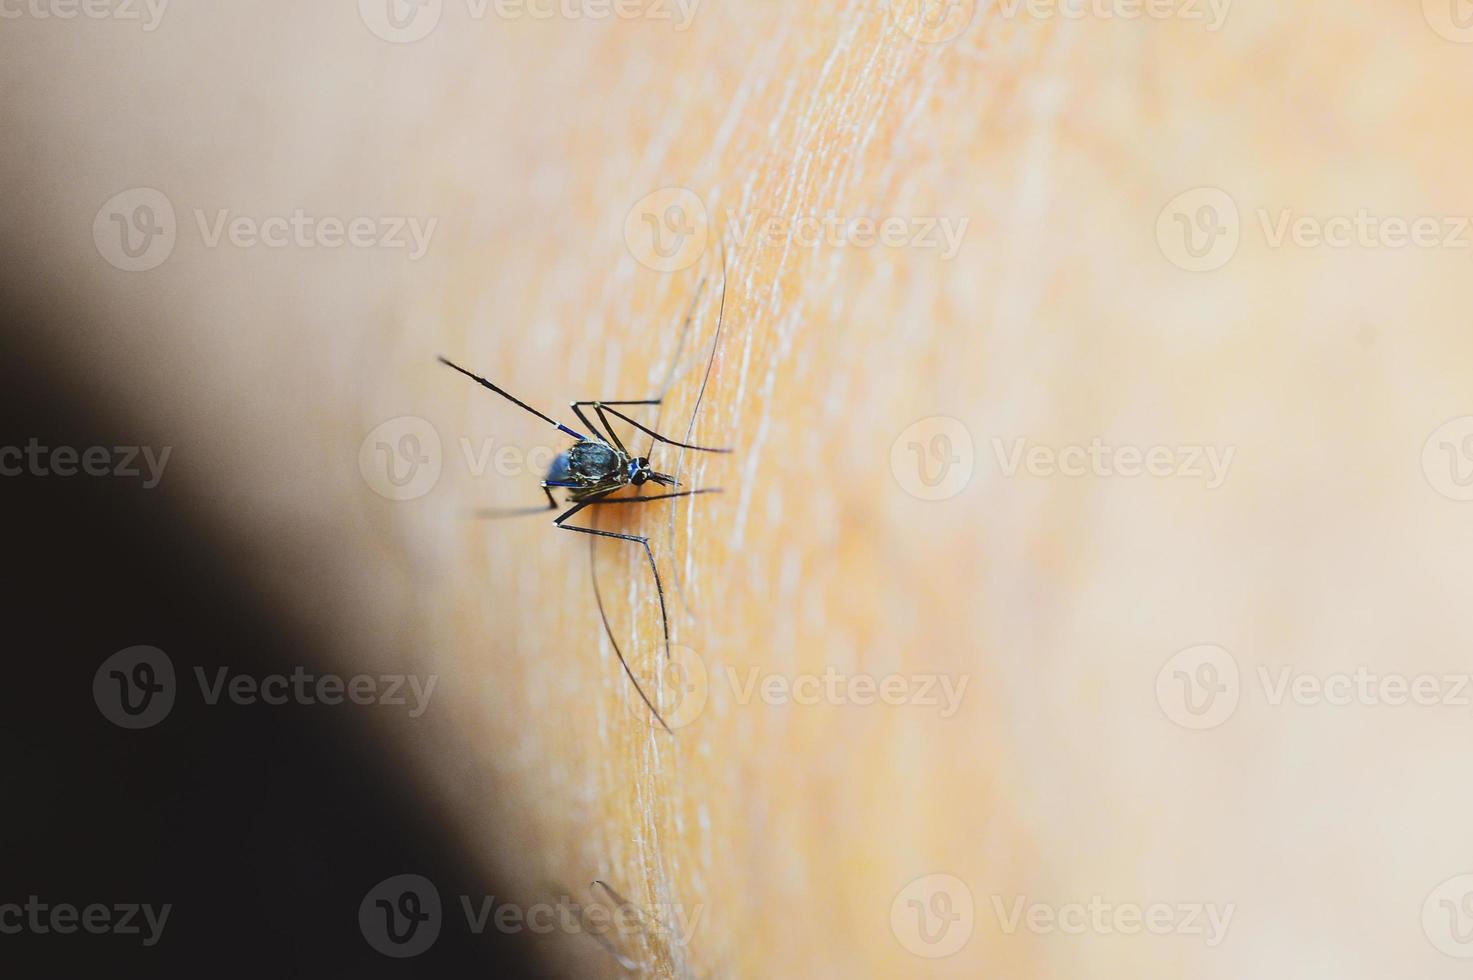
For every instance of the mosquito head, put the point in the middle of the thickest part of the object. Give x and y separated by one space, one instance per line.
640 474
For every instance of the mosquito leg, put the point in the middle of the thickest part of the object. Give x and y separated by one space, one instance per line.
605 420
598 597
607 406
578 411
509 397
604 406
604 501
640 540
598 594
599 406
696 409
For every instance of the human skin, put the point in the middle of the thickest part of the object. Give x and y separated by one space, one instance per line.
790 832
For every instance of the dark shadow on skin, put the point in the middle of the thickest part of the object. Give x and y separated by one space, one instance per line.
262 826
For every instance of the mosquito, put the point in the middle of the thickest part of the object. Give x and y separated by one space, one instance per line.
595 467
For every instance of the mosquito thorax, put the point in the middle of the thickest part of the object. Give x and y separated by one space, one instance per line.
587 463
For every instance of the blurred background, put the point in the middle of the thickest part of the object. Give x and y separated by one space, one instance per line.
1084 592
253 831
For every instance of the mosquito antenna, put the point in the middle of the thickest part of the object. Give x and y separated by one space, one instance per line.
710 361
674 369
690 314
716 339
512 398
691 427
609 630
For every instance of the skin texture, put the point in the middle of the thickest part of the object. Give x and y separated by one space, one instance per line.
789 832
